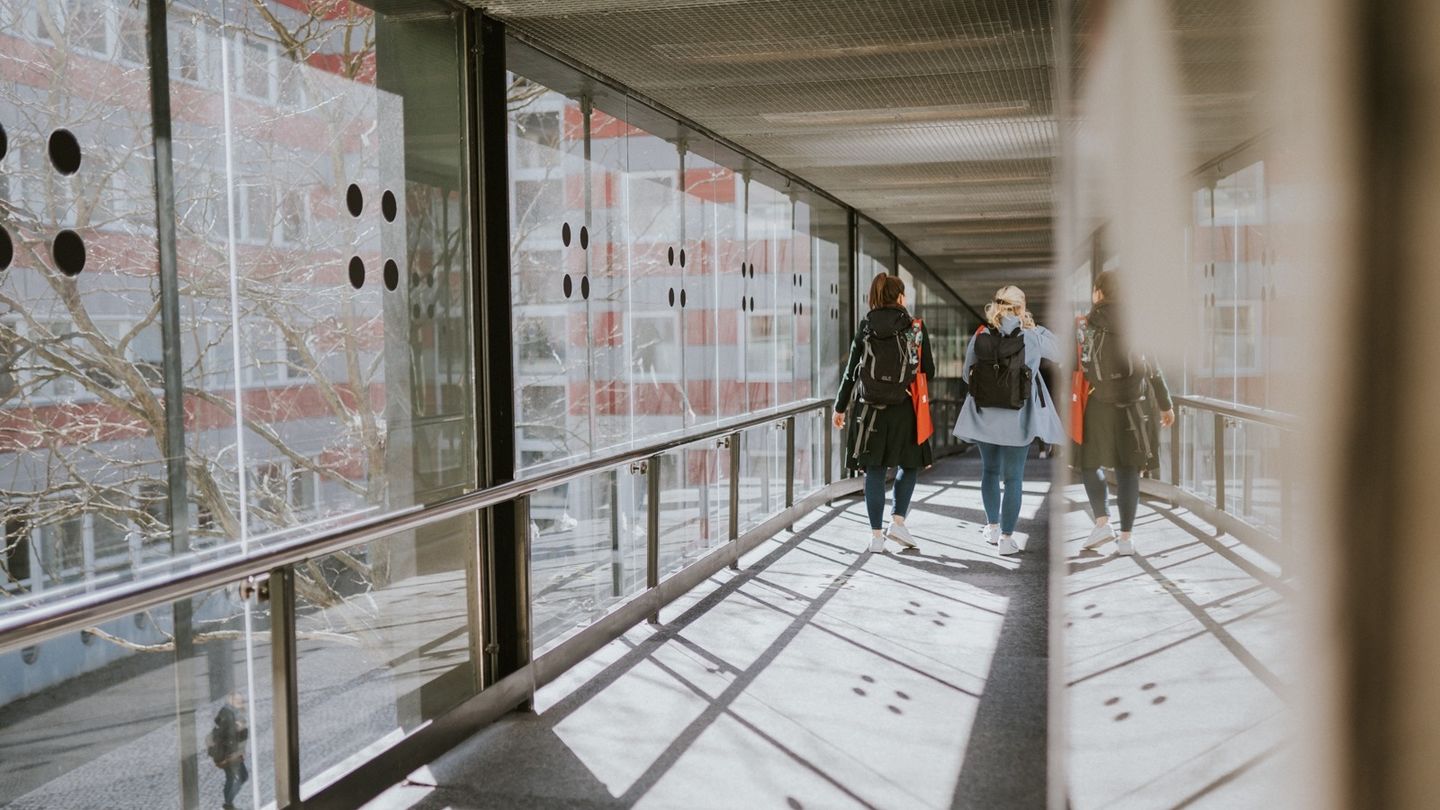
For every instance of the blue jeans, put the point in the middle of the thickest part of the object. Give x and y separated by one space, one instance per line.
1127 482
236 774
875 493
1002 463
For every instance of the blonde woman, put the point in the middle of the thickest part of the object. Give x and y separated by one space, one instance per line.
1008 407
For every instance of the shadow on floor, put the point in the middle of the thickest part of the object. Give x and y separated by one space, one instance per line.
523 762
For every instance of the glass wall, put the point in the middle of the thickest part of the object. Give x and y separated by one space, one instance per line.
321 281
659 281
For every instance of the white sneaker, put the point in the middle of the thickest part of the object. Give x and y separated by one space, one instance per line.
900 534
1007 545
1100 535
1125 545
877 543
991 534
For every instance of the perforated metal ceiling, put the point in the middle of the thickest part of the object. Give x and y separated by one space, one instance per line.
934 117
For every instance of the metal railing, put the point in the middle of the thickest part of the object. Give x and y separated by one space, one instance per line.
273 570
1225 477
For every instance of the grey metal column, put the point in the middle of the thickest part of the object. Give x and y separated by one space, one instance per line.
285 682
652 523
789 461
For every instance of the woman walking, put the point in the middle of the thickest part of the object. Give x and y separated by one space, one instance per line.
889 347
1127 394
1008 407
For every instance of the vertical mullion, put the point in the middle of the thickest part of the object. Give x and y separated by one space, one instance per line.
494 349
158 44
733 445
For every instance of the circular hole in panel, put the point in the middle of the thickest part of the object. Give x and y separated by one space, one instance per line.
682 257
7 249
69 253
392 274
357 272
670 257
415 311
30 654
388 207
742 269
4 142
567 286
430 311
565 234
799 309
64 151
430 279
682 299
585 287
743 305
354 200
672 296
414 279
752 303
584 238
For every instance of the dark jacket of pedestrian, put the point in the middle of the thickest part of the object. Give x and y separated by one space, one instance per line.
888 440
1127 433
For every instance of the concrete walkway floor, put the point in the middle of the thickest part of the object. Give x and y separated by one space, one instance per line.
1176 663
817 676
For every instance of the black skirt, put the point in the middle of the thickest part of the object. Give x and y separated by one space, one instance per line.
1120 436
884 437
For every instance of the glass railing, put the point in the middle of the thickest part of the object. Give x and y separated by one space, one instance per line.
1228 457
312 667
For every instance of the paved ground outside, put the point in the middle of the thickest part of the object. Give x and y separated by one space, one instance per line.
1175 666
817 676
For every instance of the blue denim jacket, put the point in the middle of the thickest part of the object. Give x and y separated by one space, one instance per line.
1040 417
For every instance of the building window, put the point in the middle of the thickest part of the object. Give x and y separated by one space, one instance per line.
17 548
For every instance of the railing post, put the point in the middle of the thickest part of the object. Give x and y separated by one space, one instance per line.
652 523
829 444
524 630
732 442
1220 462
1176 449
285 683
790 465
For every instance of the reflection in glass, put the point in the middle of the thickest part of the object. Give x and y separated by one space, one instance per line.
384 640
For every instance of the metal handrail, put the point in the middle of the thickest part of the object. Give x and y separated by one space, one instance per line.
1249 413
82 612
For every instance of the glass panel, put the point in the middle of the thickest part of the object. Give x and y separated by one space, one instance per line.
124 709
587 552
323 255
762 475
656 206
705 186
553 252
383 640
693 502
81 391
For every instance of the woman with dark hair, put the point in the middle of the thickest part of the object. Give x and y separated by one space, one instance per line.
889 348
1129 402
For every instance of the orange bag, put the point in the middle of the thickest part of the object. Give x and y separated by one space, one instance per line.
920 397
1079 388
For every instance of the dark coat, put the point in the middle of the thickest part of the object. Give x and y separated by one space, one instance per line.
1123 435
891 429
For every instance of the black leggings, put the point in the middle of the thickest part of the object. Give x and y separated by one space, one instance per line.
1127 481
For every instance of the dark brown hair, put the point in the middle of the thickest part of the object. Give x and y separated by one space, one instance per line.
885 291
1108 283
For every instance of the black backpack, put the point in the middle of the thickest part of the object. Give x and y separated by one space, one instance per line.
1117 376
1000 378
888 365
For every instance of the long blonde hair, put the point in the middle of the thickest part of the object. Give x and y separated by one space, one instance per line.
1009 300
